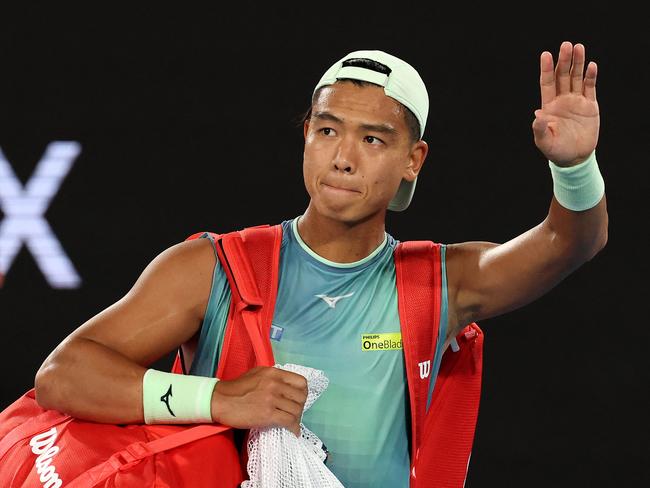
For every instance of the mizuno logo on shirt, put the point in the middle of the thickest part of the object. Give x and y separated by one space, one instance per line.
332 301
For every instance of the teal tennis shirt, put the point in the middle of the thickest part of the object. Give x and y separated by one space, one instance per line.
342 319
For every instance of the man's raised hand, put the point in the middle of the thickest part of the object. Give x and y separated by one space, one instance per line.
566 127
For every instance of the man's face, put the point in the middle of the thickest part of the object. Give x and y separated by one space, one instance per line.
357 150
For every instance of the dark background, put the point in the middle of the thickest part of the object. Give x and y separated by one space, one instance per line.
186 120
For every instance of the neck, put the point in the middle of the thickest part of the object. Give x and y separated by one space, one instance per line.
341 242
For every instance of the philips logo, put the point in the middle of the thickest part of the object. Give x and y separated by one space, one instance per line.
388 341
43 446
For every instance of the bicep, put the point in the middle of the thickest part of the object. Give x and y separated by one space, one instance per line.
487 279
162 310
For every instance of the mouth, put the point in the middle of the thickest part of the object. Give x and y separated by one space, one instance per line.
339 189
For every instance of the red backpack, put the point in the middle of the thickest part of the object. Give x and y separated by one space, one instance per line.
48 448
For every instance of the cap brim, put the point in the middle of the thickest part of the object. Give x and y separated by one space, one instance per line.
403 197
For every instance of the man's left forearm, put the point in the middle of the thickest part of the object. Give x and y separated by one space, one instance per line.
579 235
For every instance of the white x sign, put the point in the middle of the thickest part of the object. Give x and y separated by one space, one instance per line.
24 210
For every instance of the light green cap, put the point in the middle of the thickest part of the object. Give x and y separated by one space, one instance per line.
403 83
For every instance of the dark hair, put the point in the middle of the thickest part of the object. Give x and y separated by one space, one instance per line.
409 117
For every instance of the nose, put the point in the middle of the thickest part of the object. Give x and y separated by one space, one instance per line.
345 157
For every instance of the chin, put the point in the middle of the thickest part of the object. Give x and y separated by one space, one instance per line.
345 213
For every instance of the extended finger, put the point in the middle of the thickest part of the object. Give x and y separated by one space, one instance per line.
577 68
563 69
590 81
546 78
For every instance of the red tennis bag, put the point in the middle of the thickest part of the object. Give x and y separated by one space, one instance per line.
46 448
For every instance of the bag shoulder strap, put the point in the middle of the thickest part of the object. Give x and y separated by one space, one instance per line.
418 278
250 259
136 452
450 425
442 436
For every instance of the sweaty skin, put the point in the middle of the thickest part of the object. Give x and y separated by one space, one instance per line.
357 150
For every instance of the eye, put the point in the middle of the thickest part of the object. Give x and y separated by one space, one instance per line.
326 131
373 140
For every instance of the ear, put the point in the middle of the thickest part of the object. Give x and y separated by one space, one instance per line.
305 129
416 160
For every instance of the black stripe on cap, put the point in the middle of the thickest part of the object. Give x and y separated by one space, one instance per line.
370 64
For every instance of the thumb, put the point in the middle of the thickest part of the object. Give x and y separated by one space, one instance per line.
540 124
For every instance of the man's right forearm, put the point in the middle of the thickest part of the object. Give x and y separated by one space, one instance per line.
88 380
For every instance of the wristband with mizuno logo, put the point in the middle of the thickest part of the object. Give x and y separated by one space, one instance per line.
169 398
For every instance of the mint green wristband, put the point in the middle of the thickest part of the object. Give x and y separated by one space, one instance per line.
169 398
578 187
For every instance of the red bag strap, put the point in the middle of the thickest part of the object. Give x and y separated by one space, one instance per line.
136 452
418 276
262 245
250 259
450 424
442 436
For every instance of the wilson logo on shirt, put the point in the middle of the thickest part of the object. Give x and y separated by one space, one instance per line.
387 341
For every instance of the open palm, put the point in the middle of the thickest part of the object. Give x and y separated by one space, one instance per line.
566 127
